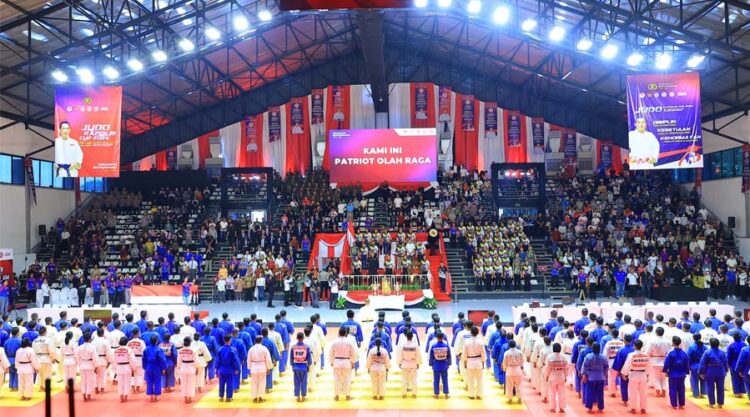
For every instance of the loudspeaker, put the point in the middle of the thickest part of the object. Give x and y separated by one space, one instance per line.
42 230
732 222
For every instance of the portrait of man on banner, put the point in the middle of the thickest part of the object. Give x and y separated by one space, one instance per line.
297 118
274 125
420 104
68 153
338 106
644 147
250 129
467 114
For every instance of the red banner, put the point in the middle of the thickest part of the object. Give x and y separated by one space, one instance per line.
298 152
204 148
422 105
251 144
515 136
608 155
569 148
444 108
466 136
6 267
87 131
337 115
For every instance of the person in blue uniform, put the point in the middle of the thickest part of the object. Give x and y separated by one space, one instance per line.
733 355
676 366
227 365
241 348
713 369
281 328
743 366
197 323
619 362
300 360
11 347
594 375
226 324
170 353
150 332
582 352
247 335
695 354
582 322
275 357
440 361
154 365
212 347
498 338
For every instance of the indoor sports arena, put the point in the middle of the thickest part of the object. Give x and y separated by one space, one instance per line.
374 207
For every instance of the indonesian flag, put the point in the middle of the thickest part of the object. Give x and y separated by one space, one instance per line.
350 233
329 249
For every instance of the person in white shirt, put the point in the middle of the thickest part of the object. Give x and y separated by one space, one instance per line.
409 359
657 350
26 364
342 357
44 349
103 359
378 363
473 359
68 153
137 346
259 362
187 368
635 371
4 366
124 362
86 360
555 373
644 147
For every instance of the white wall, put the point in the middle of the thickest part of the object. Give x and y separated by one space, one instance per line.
16 140
51 204
739 129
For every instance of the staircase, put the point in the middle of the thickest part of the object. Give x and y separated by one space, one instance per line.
462 277
381 217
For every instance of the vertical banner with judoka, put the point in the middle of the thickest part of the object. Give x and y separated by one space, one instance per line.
569 149
423 105
467 113
515 137
274 124
664 121
87 131
746 168
490 121
537 139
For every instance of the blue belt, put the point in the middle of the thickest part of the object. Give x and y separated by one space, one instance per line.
66 167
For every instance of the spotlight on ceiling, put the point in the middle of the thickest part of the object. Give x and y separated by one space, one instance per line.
135 64
111 72
265 15
501 15
634 59
240 23
159 55
474 6
85 75
212 33
59 76
584 44
663 61
609 51
557 33
528 25
186 45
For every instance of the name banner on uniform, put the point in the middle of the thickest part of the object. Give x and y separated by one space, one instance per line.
87 131
664 121
274 124
490 121
467 113
316 109
514 129
745 168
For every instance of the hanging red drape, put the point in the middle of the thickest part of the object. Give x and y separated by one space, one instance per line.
251 142
466 142
338 115
161 161
298 156
422 105
515 142
204 147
